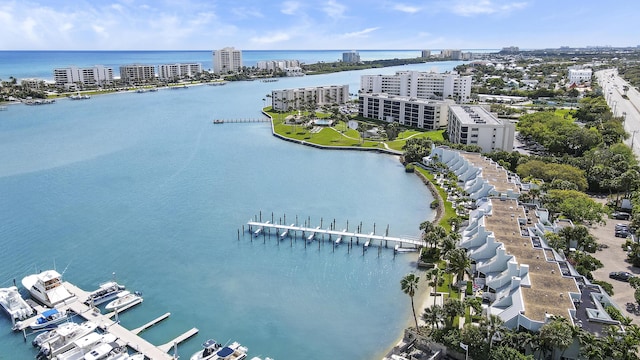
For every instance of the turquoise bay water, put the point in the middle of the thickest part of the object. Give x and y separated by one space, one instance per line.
144 185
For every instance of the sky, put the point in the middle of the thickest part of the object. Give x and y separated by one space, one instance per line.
315 24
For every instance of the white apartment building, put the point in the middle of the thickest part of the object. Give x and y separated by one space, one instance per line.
178 71
418 113
288 99
275 65
137 73
426 53
579 75
475 125
422 85
351 57
72 76
227 60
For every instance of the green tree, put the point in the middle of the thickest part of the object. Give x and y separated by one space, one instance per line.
556 334
433 316
435 278
452 308
458 263
409 285
574 205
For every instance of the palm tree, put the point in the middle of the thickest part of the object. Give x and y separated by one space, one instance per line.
459 262
447 245
435 277
433 316
452 308
494 325
556 334
409 285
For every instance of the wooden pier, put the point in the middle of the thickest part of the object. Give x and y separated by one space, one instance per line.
313 232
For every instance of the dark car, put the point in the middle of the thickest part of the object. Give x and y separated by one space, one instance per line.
622 233
621 215
621 275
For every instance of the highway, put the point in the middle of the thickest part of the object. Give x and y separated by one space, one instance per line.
613 87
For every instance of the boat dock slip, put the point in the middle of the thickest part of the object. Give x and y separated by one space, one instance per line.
166 347
144 327
343 234
125 336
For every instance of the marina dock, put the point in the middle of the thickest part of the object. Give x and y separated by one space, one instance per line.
105 322
312 232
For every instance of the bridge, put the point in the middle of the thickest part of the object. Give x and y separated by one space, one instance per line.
315 231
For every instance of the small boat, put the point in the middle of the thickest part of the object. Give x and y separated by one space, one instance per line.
106 292
210 347
218 121
14 304
124 298
47 288
231 352
49 318
103 350
79 97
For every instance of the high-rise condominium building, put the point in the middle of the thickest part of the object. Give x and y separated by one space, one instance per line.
474 125
227 60
421 85
137 73
97 75
178 71
287 99
418 113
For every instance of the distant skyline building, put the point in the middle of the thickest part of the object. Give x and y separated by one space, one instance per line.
97 75
352 57
453 54
137 73
178 71
418 113
422 85
426 53
277 65
227 60
288 99
475 125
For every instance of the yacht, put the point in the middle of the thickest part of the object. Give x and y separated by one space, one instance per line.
47 288
80 348
103 350
65 339
231 352
106 292
48 319
124 298
53 334
14 304
210 347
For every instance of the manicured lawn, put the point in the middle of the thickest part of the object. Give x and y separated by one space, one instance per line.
399 142
449 211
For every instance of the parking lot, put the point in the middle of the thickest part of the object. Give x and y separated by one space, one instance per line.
613 257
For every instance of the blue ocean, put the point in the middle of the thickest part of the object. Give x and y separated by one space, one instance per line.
145 187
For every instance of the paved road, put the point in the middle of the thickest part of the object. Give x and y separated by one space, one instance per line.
612 86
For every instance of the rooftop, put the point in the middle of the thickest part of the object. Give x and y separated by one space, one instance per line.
493 173
473 115
549 291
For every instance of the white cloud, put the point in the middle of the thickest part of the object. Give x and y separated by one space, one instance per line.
334 10
361 33
271 38
484 7
406 8
290 7
244 12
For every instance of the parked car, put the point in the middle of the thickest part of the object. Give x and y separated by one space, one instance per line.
622 227
622 233
621 275
619 215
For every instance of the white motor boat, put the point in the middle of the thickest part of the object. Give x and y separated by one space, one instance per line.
123 299
67 339
106 292
48 319
83 346
47 288
53 334
210 347
231 352
14 304
103 350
